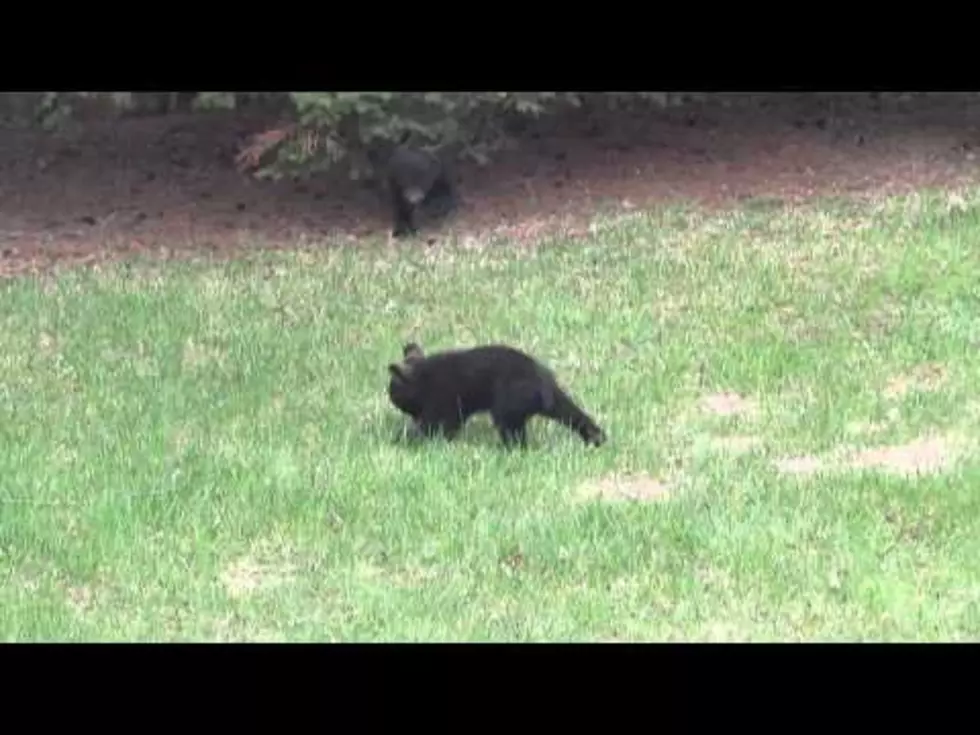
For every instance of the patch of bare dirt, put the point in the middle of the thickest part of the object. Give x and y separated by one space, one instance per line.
80 598
639 487
168 186
923 378
925 455
728 404
248 575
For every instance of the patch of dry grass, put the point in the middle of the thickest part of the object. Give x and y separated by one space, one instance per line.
638 487
920 456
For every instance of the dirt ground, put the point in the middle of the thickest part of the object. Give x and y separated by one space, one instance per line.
168 185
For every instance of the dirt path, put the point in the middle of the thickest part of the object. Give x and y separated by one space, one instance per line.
168 185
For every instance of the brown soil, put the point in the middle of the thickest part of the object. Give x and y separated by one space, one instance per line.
168 185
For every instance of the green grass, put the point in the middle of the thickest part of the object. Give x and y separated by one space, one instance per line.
206 451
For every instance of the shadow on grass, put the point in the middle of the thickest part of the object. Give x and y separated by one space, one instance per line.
478 432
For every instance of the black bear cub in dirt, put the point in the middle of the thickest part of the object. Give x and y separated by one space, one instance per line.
440 392
418 180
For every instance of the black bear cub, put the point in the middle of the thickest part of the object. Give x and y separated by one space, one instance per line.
418 179
440 392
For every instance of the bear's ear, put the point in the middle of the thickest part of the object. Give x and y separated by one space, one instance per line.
397 371
412 352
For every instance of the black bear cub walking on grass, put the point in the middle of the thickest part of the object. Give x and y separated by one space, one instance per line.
440 392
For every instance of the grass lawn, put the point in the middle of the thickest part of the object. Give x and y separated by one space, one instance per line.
206 451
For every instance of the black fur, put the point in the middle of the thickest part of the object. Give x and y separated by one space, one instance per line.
418 180
440 392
